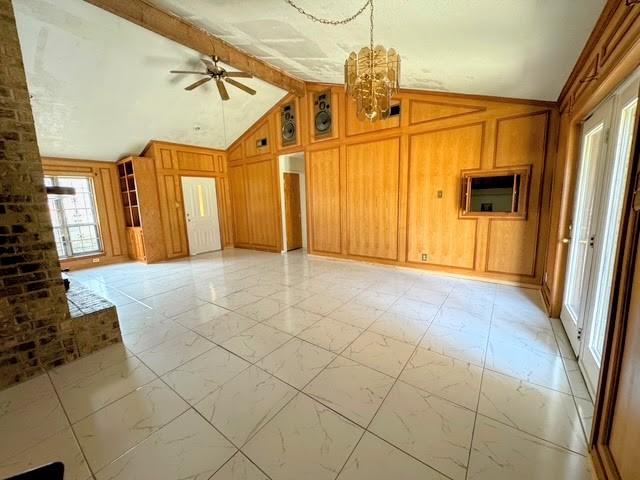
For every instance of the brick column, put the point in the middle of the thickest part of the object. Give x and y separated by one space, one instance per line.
35 328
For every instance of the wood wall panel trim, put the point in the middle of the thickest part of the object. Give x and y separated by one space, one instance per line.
336 239
521 258
372 198
324 213
418 111
439 239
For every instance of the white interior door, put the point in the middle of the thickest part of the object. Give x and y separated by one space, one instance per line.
585 212
201 210
608 226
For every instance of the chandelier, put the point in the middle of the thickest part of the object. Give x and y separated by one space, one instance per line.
372 75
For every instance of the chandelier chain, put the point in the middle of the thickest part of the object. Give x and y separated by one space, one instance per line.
329 21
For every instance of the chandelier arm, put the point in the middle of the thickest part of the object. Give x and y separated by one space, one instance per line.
329 21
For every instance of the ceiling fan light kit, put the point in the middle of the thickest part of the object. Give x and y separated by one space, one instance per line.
372 75
217 73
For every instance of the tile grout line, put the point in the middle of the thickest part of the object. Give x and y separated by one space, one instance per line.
73 432
475 420
396 379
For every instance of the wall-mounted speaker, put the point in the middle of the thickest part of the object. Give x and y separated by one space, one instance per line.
322 113
289 129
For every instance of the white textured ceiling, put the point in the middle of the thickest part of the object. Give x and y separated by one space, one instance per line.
101 87
507 48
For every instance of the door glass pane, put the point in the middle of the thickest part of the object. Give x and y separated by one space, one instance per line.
611 222
581 230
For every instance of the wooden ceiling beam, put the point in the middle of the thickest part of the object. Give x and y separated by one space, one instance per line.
180 31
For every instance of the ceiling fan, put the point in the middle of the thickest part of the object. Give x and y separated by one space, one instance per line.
214 72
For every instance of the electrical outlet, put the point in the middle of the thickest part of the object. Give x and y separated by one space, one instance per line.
424 257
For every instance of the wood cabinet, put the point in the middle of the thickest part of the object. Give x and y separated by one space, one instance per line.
139 192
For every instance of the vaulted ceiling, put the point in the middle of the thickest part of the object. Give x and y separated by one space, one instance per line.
508 48
101 89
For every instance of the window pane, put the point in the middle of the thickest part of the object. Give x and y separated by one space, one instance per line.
74 217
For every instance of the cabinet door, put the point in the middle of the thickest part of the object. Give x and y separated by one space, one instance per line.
263 204
238 191
324 201
175 236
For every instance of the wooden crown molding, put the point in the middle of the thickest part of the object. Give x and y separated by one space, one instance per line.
175 28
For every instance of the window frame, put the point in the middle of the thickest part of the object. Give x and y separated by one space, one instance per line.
66 245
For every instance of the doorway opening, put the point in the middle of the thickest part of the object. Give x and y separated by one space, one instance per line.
293 201
201 213
607 135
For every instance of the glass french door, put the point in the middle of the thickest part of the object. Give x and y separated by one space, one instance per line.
606 145
581 242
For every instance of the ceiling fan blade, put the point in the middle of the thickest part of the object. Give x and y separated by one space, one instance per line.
198 83
187 71
239 85
239 74
223 90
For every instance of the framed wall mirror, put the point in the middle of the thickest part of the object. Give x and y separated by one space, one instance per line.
495 193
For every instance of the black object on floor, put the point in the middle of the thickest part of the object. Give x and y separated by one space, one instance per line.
51 471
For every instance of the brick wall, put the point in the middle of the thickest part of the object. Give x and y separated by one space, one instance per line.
35 328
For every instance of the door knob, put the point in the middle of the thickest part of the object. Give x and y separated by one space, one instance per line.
566 240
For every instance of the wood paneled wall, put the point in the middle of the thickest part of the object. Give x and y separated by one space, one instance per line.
108 204
611 54
390 191
173 161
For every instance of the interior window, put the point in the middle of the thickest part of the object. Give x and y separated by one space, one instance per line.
491 193
74 219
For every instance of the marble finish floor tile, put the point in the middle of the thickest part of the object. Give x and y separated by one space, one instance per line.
337 346
29 413
91 393
330 334
305 440
174 352
86 367
224 327
356 314
500 452
199 315
463 321
293 320
405 329
140 340
61 447
407 307
380 353
320 303
462 345
262 309
256 342
296 362
188 447
351 389
433 430
239 467
446 377
539 411
375 459
110 432
290 296
526 364
244 404
204 374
